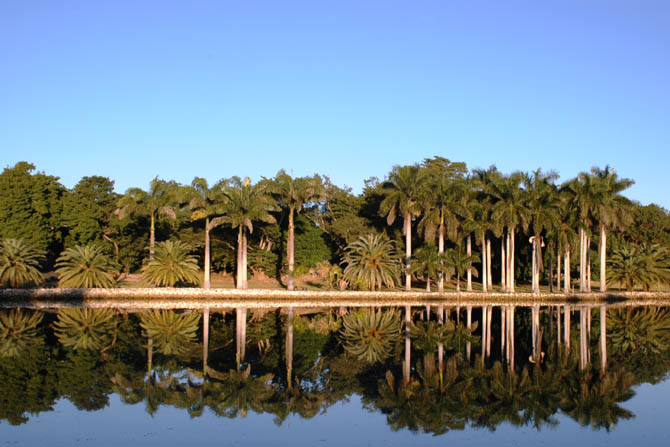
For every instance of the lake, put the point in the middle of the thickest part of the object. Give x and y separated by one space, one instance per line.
334 374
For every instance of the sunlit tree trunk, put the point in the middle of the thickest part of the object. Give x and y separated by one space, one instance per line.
566 275
484 267
489 276
534 267
239 282
290 248
408 251
603 259
583 360
588 264
206 284
537 347
558 323
468 249
485 326
566 326
558 270
582 261
510 267
503 319
440 250
245 282
503 270
241 335
489 320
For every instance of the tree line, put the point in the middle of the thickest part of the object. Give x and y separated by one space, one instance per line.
432 222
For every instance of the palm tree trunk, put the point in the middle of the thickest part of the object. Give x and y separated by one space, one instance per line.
150 356
289 349
534 266
206 283
588 264
603 259
510 268
558 270
551 271
468 248
484 268
566 273
440 346
427 284
408 251
582 261
485 326
582 339
245 282
503 318
489 320
239 281
489 276
558 323
440 251
241 335
503 262
290 249
152 237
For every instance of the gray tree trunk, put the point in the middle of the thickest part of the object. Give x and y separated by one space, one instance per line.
440 250
603 259
206 283
290 250
408 251
503 270
289 349
468 250
489 276
603 338
468 323
408 347
566 326
205 340
566 274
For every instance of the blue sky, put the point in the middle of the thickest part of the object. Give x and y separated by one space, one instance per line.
131 90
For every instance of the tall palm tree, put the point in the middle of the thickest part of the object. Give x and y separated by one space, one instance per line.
429 264
19 263
246 203
160 200
543 211
483 181
209 204
612 211
510 210
403 196
461 263
293 194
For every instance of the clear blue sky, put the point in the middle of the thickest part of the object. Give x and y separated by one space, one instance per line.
131 90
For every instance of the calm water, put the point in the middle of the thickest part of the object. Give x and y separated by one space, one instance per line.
494 375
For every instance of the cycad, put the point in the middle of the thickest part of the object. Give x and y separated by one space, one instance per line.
19 263
18 331
86 267
372 261
639 266
85 328
171 333
172 264
369 334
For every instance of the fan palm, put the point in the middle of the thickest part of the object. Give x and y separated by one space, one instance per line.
86 267
370 335
403 196
172 333
246 203
19 263
372 261
293 194
207 204
160 200
88 329
18 331
172 264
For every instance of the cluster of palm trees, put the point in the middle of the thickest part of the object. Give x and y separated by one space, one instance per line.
436 199
486 205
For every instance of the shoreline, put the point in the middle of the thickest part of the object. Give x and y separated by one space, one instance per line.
264 298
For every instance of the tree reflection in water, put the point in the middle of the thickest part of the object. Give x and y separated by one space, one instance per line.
292 361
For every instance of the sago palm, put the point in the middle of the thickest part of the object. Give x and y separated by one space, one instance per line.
372 261
86 267
172 264
85 328
18 331
172 333
19 263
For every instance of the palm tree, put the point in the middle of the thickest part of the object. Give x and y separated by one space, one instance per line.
428 263
370 335
612 211
86 267
246 203
19 263
461 263
403 196
207 204
371 261
293 194
172 264
160 200
543 213
644 266
510 210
